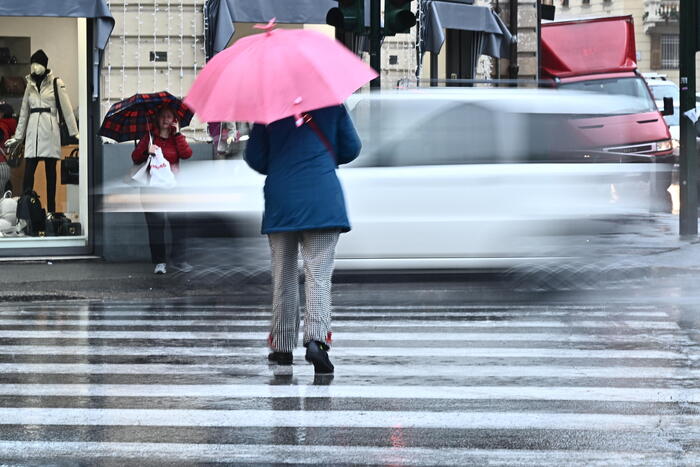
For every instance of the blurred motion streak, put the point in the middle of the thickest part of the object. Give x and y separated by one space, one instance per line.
451 179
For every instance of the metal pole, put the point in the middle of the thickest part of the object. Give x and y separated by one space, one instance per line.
375 57
688 219
433 69
513 23
538 5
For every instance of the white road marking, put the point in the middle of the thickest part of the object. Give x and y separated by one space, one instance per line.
370 391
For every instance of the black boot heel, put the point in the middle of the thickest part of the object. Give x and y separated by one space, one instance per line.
317 355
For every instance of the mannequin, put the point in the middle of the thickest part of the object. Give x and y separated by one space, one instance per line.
38 125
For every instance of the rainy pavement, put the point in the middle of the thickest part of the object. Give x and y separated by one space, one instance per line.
427 373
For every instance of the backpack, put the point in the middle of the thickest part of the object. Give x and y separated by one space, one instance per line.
30 211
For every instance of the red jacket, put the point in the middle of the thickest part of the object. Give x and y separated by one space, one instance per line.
174 148
7 129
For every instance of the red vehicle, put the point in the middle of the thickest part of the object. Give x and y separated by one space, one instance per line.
599 55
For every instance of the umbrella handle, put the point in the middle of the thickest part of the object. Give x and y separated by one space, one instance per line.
267 27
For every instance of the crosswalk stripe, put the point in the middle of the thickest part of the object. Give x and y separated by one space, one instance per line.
344 418
472 371
451 378
375 351
612 324
572 393
388 313
234 306
329 454
345 336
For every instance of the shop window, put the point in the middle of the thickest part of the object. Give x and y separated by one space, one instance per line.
50 165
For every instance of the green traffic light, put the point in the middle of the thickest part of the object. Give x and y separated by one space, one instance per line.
398 17
348 16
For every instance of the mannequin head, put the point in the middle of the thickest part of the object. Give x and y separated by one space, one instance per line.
39 61
38 69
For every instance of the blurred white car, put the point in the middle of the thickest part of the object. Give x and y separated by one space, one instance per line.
662 87
449 179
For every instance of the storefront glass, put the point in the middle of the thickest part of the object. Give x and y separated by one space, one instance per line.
29 113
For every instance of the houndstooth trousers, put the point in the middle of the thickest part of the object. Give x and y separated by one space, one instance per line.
318 254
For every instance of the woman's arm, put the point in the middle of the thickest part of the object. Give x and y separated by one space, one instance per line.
257 150
140 153
184 151
348 141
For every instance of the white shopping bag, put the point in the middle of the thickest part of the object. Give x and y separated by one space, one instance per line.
8 208
139 173
161 174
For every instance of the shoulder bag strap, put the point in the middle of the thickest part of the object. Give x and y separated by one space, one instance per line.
310 121
58 102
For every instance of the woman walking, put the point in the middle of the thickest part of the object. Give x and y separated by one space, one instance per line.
304 206
167 136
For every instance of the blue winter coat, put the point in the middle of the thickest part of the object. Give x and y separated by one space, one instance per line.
302 191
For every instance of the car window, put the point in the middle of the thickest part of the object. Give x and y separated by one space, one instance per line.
417 132
664 90
424 132
633 87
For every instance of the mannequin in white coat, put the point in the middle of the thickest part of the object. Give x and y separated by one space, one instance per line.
38 125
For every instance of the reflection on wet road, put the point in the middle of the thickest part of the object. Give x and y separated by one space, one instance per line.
182 382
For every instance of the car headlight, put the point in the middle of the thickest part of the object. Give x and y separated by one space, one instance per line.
664 145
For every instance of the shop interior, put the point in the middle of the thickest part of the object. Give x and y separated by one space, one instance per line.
58 46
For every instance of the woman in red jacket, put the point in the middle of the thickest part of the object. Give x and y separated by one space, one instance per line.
174 146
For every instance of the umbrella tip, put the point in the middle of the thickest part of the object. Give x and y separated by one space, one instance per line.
267 27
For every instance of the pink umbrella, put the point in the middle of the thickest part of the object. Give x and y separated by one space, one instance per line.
277 74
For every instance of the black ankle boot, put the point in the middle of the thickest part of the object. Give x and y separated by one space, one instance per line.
317 354
281 358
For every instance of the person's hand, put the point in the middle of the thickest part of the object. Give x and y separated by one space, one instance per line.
152 148
176 128
234 138
10 142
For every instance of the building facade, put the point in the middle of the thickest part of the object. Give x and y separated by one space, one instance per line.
159 45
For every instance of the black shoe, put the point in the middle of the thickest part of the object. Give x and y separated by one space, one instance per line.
317 354
281 358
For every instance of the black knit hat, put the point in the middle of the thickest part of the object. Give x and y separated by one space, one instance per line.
40 57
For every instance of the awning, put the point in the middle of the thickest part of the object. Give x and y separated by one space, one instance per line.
70 9
494 38
221 14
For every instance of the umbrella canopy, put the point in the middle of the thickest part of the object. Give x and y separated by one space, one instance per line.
131 118
277 74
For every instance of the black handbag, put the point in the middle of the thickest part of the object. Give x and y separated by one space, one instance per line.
14 154
70 169
66 138
70 229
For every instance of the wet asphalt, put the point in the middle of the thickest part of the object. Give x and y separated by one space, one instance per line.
593 362
480 370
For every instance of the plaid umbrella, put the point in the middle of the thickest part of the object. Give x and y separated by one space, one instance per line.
131 118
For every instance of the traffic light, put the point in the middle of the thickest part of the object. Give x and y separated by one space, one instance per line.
398 17
349 16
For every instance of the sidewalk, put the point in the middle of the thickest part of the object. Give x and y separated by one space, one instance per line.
650 249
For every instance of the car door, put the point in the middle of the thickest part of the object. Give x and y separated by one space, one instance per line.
443 188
